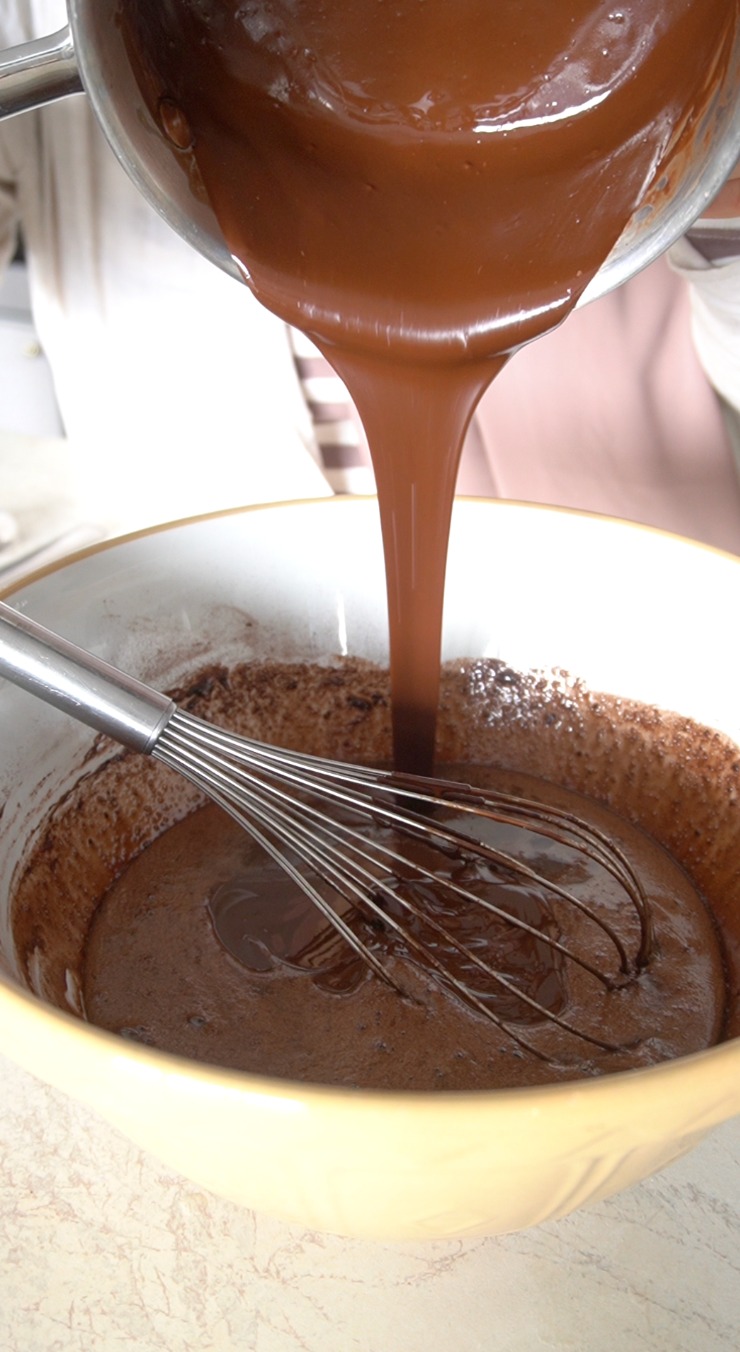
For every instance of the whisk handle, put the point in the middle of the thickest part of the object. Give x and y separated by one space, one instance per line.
79 683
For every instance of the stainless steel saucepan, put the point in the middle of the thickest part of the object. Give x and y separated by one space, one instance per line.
89 57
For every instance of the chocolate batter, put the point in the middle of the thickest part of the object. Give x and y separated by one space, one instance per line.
424 186
198 947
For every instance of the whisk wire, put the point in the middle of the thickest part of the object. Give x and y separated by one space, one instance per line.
341 855
351 881
336 778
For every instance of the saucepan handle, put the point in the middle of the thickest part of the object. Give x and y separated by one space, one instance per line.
38 72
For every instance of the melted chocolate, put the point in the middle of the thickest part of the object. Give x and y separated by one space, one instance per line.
423 187
267 925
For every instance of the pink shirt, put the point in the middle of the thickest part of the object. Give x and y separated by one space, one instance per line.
614 413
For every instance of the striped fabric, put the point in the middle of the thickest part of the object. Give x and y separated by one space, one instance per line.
717 241
341 441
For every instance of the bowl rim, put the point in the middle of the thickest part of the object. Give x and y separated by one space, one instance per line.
345 502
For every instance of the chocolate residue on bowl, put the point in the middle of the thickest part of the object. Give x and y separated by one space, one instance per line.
140 938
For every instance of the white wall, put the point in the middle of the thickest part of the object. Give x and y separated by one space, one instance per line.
27 402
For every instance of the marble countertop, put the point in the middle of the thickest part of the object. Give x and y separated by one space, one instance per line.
102 1247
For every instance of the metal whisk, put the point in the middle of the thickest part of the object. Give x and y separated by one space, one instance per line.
376 851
